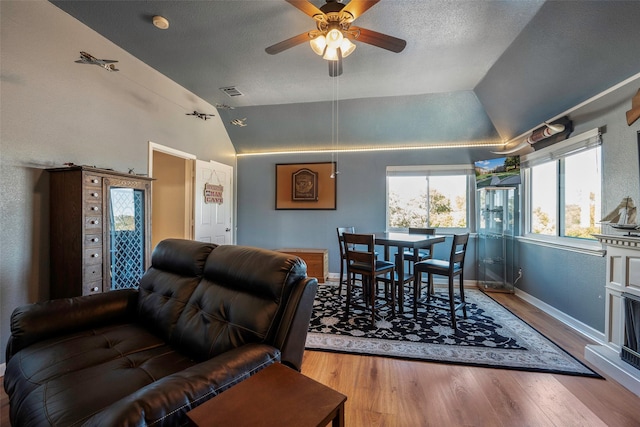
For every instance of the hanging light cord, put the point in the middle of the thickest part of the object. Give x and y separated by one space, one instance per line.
333 140
335 123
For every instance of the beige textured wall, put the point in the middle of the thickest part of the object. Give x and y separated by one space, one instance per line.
55 111
169 188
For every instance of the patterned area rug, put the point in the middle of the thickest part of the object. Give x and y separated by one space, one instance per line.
491 336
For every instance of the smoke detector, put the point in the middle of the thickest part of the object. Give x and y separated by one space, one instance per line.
160 22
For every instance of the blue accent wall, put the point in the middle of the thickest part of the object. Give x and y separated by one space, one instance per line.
571 282
361 201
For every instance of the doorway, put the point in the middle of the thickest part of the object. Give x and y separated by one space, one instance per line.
173 183
206 189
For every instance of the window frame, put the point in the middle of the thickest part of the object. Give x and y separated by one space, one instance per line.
436 170
556 153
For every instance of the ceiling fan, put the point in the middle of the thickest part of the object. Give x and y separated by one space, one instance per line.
332 39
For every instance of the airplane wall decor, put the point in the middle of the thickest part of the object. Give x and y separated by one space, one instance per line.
224 106
239 122
202 116
107 64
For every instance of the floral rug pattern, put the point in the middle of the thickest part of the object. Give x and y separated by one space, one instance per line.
491 336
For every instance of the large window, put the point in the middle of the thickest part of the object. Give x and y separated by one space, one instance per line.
544 198
428 197
563 188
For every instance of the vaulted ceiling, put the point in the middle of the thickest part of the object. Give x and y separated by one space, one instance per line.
472 71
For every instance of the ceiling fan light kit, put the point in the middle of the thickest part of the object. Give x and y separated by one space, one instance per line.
329 51
319 44
332 38
346 47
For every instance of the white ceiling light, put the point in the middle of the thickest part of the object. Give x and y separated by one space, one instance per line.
327 46
160 22
334 38
318 44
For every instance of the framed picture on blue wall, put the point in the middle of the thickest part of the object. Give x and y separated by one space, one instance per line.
306 186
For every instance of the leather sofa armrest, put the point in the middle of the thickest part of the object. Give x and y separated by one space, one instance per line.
165 402
294 326
35 322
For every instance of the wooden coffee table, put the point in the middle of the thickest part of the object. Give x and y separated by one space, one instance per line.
275 396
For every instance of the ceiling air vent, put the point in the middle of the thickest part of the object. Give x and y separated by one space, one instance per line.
232 91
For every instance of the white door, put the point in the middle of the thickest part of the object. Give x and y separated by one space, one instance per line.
213 204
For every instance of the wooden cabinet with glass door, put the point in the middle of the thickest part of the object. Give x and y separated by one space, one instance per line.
99 230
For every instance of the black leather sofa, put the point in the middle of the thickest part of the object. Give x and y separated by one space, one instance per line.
204 318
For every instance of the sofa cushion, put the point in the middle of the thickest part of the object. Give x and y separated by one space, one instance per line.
92 369
182 257
262 272
239 300
176 269
166 402
35 322
121 376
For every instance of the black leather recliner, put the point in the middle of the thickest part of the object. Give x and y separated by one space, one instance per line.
204 318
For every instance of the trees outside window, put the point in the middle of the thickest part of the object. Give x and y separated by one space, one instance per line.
565 195
445 206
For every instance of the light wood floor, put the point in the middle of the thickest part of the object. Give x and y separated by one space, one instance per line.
390 392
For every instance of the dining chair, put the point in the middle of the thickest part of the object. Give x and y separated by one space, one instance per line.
452 267
412 256
398 283
362 260
343 253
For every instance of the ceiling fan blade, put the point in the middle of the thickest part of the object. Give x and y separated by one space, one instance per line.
306 7
358 7
374 38
287 44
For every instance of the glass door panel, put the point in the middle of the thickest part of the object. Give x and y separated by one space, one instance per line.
127 237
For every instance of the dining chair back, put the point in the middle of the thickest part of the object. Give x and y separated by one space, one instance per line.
412 256
361 260
343 253
451 268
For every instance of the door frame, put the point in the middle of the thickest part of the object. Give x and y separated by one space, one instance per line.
167 150
154 147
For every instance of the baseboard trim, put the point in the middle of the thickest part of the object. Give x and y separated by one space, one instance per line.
578 326
608 360
599 355
2 369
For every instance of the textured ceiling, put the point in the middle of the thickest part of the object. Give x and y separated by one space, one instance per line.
482 70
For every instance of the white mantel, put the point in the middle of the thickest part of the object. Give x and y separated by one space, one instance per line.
623 276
